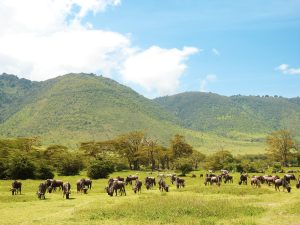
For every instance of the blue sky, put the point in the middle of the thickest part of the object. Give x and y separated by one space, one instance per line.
158 47
252 37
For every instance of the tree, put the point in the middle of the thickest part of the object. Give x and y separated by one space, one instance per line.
280 146
21 167
196 158
70 165
220 160
130 146
100 169
180 148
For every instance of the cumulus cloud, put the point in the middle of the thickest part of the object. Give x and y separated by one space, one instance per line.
216 52
285 69
41 39
156 69
210 78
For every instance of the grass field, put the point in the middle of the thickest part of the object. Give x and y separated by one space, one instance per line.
195 204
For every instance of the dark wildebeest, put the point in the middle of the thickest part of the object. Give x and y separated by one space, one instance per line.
270 179
207 180
298 183
289 177
16 187
216 179
130 178
201 175
179 182
173 178
42 190
243 179
138 186
193 175
228 178
82 183
120 178
114 186
282 182
54 184
149 182
66 190
163 186
255 181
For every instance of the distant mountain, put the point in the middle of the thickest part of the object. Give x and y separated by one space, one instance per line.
235 115
78 107
81 107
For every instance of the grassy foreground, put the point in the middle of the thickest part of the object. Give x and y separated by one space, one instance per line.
195 204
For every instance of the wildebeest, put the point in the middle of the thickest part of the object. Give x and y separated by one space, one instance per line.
130 178
54 184
42 190
201 175
289 177
255 181
149 182
66 190
82 183
114 186
298 183
207 180
193 175
243 179
138 186
179 182
173 178
282 182
216 180
163 186
270 179
16 187
228 178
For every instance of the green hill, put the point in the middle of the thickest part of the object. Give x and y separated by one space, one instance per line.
79 107
235 117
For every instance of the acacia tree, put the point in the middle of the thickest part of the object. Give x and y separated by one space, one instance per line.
280 146
180 148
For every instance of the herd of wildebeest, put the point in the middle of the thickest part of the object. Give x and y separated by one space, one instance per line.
119 183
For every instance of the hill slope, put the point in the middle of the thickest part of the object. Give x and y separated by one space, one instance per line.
81 107
234 116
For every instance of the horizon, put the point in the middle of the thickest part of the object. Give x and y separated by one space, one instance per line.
157 48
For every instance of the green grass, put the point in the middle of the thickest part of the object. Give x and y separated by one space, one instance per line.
195 204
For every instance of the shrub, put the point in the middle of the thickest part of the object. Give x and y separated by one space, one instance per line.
186 168
44 172
21 167
3 168
100 169
70 165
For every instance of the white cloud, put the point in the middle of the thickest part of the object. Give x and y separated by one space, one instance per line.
156 69
285 69
210 78
216 52
41 39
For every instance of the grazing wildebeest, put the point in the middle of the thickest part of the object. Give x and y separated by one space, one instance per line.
228 178
54 184
179 182
298 183
243 179
282 182
82 183
114 186
270 179
163 186
149 182
138 186
201 175
255 181
66 190
120 178
216 179
42 190
193 175
289 177
130 178
173 178
207 180
16 187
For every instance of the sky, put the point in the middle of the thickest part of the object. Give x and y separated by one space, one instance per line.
157 47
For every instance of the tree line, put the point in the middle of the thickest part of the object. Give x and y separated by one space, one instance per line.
24 158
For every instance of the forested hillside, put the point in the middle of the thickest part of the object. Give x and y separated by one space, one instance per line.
236 115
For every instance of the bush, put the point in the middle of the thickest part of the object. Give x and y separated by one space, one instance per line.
100 169
186 168
44 172
21 167
70 165
3 168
